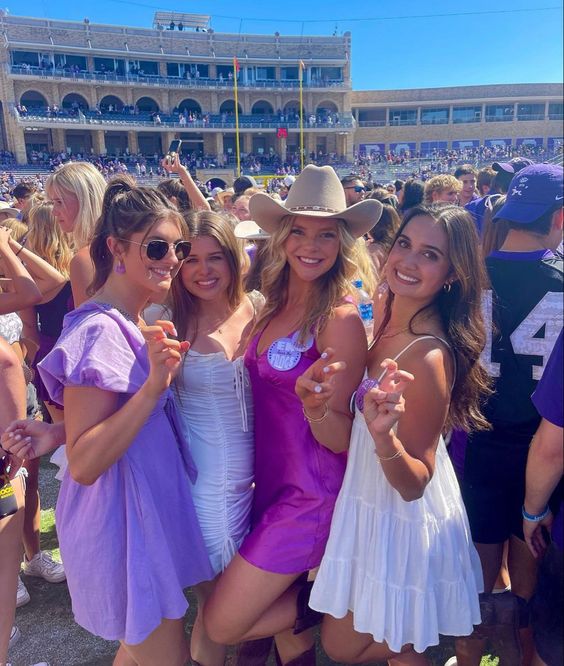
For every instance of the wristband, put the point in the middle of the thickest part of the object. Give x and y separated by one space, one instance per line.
22 245
532 518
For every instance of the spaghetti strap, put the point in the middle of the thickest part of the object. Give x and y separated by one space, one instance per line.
424 337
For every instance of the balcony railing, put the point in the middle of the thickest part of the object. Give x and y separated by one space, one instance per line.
500 119
531 116
210 122
434 121
371 123
169 81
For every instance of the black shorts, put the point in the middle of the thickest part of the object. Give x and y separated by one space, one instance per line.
494 512
547 617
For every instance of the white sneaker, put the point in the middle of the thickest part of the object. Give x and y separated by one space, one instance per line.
451 662
22 597
14 636
44 565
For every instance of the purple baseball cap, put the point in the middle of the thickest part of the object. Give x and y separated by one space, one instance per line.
513 166
534 191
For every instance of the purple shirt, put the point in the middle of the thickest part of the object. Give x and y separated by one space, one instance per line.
549 402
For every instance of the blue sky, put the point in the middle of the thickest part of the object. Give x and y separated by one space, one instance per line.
404 44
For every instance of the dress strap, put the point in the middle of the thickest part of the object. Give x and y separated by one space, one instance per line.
425 337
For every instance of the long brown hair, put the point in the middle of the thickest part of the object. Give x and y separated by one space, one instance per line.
184 306
47 239
460 310
328 290
126 210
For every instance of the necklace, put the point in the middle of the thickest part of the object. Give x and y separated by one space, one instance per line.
123 313
404 329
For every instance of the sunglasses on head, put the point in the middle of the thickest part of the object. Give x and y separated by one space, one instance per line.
356 188
158 249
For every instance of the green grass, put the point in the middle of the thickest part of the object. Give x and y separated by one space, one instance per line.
49 539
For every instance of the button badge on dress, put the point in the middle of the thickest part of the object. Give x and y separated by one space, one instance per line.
283 355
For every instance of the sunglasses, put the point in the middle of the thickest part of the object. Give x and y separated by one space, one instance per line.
356 188
158 249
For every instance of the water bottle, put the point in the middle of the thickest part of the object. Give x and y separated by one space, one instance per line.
365 308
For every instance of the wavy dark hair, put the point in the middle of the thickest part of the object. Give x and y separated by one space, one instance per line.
460 310
126 210
172 188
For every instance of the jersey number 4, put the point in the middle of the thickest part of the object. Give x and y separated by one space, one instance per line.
546 314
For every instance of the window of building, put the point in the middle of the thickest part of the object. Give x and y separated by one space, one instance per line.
530 112
265 73
403 117
499 113
435 116
556 111
30 58
467 114
371 117
172 69
143 67
289 73
67 61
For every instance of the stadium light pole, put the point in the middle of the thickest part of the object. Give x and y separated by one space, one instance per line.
237 145
301 72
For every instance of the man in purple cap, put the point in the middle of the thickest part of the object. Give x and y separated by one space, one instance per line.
500 184
523 313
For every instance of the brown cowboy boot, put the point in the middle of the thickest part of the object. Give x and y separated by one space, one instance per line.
502 617
307 658
254 653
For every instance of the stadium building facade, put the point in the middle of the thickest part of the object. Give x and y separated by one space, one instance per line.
105 89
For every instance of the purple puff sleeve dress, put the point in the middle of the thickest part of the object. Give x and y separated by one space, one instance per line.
130 542
297 479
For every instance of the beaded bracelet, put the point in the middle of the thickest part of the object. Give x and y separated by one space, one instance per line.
398 454
532 518
312 420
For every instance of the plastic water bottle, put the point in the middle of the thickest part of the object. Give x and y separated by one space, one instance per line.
365 308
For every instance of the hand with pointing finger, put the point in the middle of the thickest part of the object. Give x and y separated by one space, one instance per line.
316 386
385 404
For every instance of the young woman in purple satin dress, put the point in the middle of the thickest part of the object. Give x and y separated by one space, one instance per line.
305 360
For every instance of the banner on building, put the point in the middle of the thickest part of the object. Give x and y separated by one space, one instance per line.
402 148
529 142
368 148
497 143
461 145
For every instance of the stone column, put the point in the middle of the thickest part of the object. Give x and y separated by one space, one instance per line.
99 142
58 139
132 142
282 147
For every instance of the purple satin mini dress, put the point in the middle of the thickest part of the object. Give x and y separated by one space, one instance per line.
297 479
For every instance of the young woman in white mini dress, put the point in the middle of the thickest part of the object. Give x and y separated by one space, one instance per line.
400 567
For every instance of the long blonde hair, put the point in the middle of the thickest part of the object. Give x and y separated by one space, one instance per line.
87 184
328 290
47 239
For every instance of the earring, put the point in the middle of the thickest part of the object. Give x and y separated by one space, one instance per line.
120 267
447 286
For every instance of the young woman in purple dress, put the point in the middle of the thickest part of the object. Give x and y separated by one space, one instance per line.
307 356
125 517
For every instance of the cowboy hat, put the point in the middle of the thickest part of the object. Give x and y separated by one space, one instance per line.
7 210
317 192
250 230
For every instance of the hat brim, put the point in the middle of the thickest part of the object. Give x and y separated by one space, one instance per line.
359 217
522 213
250 230
503 166
10 212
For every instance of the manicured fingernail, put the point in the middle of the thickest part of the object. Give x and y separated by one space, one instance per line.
318 389
174 332
324 355
326 369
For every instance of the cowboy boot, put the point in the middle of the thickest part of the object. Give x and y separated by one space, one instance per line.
306 617
502 617
307 658
254 653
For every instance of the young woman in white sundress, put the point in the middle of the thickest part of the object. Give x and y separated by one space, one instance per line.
211 310
400 567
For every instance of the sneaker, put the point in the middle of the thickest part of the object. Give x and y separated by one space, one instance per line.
44 565
14 636
22 597
451 662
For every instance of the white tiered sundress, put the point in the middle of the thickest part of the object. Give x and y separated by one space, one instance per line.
215 402
408 571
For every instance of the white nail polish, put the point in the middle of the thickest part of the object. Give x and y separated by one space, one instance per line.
318 389
326 369
324 355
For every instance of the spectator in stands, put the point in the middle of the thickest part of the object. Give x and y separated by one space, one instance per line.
443 188
484 180
381 236
355 190
467 175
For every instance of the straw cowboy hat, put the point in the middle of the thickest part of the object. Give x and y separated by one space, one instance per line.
250 230
317 192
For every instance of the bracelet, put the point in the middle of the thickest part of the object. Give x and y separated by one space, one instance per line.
22 245
321 418
532 518
398 454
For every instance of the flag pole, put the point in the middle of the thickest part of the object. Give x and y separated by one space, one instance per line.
237 144
301 68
